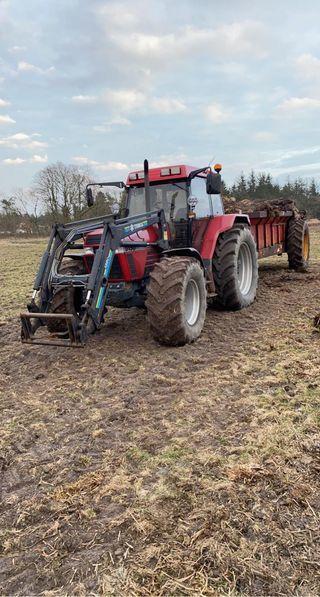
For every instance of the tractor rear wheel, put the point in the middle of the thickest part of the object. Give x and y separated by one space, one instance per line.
235 268
298 244
66 300
176 300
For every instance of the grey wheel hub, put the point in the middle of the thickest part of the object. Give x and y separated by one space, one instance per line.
245 270
192 302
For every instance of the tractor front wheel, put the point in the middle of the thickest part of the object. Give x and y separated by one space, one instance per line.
176 300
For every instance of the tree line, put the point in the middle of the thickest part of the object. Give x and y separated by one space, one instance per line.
261 186
58 195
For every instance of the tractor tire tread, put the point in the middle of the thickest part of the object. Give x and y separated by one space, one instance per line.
224 267
297 228
164 301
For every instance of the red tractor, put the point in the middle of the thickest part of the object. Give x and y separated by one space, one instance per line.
169 249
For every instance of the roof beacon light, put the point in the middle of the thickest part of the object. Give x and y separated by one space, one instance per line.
217 167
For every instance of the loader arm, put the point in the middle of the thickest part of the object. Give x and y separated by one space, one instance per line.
94 284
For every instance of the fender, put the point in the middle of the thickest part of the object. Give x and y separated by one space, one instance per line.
217 226
187 251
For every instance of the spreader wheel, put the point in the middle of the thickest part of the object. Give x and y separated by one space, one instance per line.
298 244
177 300
66 300
235 268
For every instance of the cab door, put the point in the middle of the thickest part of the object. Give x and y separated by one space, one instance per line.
206 207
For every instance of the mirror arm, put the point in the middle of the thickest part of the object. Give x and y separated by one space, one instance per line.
196 172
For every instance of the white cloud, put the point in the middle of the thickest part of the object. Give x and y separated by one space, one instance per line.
22 140
294 104
13 161
264 136
107 126
297 169
84 99
282 156
15 49
5 119
38 159
4 103
249 38
35 159
166 105
118 14
124 100
119 120
216 113
84 161
129 100
308 66
27 67
109 166
163 160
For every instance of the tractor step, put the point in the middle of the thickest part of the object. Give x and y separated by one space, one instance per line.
28 330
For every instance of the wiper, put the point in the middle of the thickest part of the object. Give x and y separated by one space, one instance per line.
174 184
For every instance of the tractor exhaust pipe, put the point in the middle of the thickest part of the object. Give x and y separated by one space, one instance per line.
147 184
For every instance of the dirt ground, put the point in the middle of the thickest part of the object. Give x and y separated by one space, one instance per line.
127 468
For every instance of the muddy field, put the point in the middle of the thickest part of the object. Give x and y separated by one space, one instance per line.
128 468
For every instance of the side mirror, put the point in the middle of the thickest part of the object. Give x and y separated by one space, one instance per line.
214 183
89 195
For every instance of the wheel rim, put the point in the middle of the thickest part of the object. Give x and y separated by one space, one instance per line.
192 302
244 269
305 250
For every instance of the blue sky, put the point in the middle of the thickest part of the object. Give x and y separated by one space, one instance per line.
108 83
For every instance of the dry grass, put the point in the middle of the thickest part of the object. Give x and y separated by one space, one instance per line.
130 469
19 260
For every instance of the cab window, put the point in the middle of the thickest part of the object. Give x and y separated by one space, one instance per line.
208 205
171 197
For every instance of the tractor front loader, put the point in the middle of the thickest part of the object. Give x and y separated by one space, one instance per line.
88 290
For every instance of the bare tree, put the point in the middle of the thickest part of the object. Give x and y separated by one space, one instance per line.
61 188
10 215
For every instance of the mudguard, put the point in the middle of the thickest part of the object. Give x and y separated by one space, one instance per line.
215 227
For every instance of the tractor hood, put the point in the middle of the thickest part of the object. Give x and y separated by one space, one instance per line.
150 234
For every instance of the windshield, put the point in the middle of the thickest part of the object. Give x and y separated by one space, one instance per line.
171 197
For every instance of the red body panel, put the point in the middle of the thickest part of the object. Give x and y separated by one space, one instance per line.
215 227
133 263
155 174
269 232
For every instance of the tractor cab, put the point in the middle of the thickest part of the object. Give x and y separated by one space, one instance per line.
181 191
185 198
187 195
